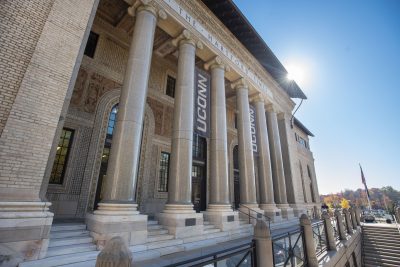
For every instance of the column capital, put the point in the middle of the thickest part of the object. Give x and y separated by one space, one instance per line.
270 107
258 98
147 5
187 38
216 62
240 83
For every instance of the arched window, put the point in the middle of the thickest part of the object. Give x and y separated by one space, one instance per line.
106 151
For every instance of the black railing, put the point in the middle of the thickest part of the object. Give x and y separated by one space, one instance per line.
289 249
320 237
239 256
255 215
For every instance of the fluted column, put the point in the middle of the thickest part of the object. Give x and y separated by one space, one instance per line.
246 159
120 183
266 187
278 173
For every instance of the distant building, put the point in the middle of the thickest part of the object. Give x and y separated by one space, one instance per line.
116 113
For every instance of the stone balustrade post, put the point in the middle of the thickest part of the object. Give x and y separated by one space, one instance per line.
398 214
310 251
358 216
353 217
340 226
264 248
329 231
348 221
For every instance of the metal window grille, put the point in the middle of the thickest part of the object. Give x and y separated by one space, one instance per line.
199 147
60 161
164 172
170 90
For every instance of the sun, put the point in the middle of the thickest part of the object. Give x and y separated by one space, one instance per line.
296 72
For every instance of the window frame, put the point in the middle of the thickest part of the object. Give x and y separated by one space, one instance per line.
163 168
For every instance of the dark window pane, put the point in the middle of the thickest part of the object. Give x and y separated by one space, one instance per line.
61 158
170 86
199 147
164 172
91 44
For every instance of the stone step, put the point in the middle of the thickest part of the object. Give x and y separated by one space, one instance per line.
164 243
384 253
375 264
211 231
379 259
205 236
157 238
210 226
67 227
62 260
69 233
152 222
206 223
154 227
62 250
380 241
157 232
156 253
70 241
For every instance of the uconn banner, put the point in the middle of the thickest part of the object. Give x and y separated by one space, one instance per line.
202 103
253 129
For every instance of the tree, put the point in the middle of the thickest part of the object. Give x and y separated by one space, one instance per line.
345 203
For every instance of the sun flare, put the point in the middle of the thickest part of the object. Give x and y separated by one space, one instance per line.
296 72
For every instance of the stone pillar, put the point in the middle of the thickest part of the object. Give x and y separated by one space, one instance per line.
278 173
340 226
219 211
264 249
117 214
266 187
246 159
331 242
347 218
178 215
305 223
288 143
358 216
353 218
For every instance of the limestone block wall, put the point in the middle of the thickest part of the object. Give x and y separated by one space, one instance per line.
15 54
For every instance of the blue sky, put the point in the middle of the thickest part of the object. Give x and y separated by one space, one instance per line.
349 51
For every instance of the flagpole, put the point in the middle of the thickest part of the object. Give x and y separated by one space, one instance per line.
365 185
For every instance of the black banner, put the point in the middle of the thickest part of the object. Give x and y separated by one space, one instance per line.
202 103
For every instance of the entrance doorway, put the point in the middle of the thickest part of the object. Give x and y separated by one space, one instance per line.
236 177
199 170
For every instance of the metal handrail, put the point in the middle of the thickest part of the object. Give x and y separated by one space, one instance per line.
259 214
248 248
321 245
290 251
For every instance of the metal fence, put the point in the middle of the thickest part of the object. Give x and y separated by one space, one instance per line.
320 238
239 256
289 249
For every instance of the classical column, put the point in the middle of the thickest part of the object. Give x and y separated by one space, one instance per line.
278 173
118 203
219 210
178 215
288 144
266 187
246 159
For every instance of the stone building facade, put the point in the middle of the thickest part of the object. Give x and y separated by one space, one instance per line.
96 122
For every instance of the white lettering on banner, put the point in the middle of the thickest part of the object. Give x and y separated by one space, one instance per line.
253 130
202 103
251 75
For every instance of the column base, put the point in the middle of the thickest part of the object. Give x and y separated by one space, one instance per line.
272 212
222 216
24 231
115 219
253 209
298 209
287 211
181 220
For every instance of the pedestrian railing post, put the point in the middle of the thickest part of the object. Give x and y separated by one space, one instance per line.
340 226
348 221
305 223
264 249
331 242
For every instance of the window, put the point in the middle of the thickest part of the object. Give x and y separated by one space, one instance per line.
236 121
91 44
199 147
164 172
170 91
60 161
301 141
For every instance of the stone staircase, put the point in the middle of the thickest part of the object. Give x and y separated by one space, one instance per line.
71 245
381 245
